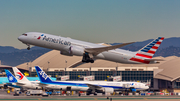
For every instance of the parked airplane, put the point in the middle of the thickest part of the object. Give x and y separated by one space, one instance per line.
21 81
4 80
11 79
91 87
91 51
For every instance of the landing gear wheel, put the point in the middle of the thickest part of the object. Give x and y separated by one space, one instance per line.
28 48
92 61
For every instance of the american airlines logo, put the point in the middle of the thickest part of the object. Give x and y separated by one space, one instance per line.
43 75
59 41
40 36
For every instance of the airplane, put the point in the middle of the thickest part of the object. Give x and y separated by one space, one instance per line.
25 83
91 87
92 51
4 80
21 81
11 79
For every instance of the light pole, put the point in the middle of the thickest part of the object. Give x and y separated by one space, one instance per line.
66 68
27 66
66 63
48 65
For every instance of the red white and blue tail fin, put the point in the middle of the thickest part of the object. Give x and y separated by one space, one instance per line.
145 54
149 50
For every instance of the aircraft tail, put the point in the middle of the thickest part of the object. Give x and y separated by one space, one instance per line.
149 50
145 54
42 75
20 77
10 77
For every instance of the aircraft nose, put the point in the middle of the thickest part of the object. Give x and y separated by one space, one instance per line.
20 38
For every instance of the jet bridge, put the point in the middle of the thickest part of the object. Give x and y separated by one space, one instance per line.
63 78
115 78
86 78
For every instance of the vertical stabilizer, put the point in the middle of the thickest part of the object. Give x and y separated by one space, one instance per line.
10 77
149 50
146 53
20 77
42 75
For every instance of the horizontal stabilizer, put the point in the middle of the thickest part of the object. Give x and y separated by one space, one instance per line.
154 59
20 83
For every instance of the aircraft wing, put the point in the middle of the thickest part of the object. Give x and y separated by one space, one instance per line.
42 84
20 83
96 51
91 86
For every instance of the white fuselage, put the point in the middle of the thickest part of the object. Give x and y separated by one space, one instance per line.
83 85
29 85
63 44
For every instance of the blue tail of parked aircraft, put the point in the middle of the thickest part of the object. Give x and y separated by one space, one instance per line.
42 75
10 77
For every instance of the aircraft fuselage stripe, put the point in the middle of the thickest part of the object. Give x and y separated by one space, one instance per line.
142 55
140 60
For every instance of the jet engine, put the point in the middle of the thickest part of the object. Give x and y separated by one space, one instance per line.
72 50
105 90
132 89
5 86
65 53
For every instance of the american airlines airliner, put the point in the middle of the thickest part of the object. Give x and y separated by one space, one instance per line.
91 51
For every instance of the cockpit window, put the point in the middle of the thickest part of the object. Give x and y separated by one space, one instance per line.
24 34
146 84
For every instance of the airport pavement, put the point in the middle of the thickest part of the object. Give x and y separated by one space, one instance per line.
9 97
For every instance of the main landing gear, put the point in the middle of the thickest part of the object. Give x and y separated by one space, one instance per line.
87 58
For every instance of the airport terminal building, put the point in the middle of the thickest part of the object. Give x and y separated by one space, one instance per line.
164 76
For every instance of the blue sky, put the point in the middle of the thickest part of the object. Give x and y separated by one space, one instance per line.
90 20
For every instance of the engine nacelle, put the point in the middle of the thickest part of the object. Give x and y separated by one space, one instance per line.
5 86
73 50
105 90
132 89
65 53
108 90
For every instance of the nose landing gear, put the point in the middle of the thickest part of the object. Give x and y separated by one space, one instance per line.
28 47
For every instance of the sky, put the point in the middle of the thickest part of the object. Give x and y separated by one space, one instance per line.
94 21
